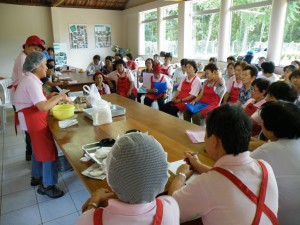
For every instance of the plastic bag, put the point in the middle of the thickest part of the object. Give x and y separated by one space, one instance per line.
101 108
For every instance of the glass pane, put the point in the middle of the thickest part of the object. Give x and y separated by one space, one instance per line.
205 5
171 38
171 10
291 44
243 2
150 30
205 35
249 31
150 15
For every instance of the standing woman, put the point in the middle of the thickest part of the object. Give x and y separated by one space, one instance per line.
187 90
32 108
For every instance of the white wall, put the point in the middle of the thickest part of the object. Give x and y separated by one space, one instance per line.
80 58
16 24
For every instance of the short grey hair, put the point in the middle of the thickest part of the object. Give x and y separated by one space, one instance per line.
33 61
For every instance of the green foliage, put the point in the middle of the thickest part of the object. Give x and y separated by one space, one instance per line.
242 2
171 11
292 27
206 5
150 15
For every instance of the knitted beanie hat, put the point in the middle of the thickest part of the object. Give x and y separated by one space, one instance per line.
137 168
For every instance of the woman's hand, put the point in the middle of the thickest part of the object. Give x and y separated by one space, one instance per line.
193 102
65 98
185 169
191 159
99 197
51 95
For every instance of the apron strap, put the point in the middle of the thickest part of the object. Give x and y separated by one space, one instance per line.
98 214
261 206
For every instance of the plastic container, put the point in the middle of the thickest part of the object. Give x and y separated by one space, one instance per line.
62 112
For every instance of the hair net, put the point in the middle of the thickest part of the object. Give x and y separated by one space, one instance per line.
33 60
137 168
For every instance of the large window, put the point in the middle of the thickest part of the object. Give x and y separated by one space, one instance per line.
149 27
291 44
249 31
205 27
170 18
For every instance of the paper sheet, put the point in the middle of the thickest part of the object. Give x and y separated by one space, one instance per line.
147 80
72 82
196 136
64 91
173 166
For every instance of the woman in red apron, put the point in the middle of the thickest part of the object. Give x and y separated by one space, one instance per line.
188 89
32 109
208 94
151 92
232 94
136 201
102 87
166 67
125 85
259 92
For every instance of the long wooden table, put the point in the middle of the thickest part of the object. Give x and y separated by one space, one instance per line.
168 130
81 78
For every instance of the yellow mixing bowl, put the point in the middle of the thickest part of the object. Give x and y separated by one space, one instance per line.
62 112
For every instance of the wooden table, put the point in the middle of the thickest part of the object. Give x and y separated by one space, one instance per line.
81 78
168 130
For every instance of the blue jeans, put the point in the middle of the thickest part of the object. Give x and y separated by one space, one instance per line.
47 170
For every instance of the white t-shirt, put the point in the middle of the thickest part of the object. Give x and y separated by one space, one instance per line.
196 85
284 157
230 82
114 75
272 78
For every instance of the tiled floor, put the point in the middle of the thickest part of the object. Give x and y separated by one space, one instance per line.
20 203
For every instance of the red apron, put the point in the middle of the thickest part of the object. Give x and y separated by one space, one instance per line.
211 98
41 138
234 93
185 91
165 71
123 84
152 96
260 200
102 92
98 213
250 109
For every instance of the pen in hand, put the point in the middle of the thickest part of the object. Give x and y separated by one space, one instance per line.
187 160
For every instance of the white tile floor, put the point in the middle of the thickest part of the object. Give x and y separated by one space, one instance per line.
20 203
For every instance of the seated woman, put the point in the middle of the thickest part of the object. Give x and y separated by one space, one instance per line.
268 69
149 67
234 84
229 72
124 80
136 184
156 59
259 93
287 71
248 76
179 74
51 80
101 86
295 80
211 94
281 125
166 67
228 193
152 94
95 66
108 67
187 90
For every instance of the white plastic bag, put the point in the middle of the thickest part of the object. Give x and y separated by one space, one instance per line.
101 108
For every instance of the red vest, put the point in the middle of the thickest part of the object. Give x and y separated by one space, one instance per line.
186 87
234 93
209 97
152 95
123 84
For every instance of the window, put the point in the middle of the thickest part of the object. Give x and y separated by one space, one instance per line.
149 27
170 18
249 31
205 27
291 44
242 2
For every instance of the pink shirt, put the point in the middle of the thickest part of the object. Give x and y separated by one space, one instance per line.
28 93
230 82
118 212
17 73
218 201
196 85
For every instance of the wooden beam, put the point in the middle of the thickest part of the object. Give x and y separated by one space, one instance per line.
56 3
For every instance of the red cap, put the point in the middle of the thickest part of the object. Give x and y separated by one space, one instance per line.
97 73
156 68
34 40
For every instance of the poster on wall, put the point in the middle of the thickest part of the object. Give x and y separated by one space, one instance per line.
60 51
102 36
78 36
